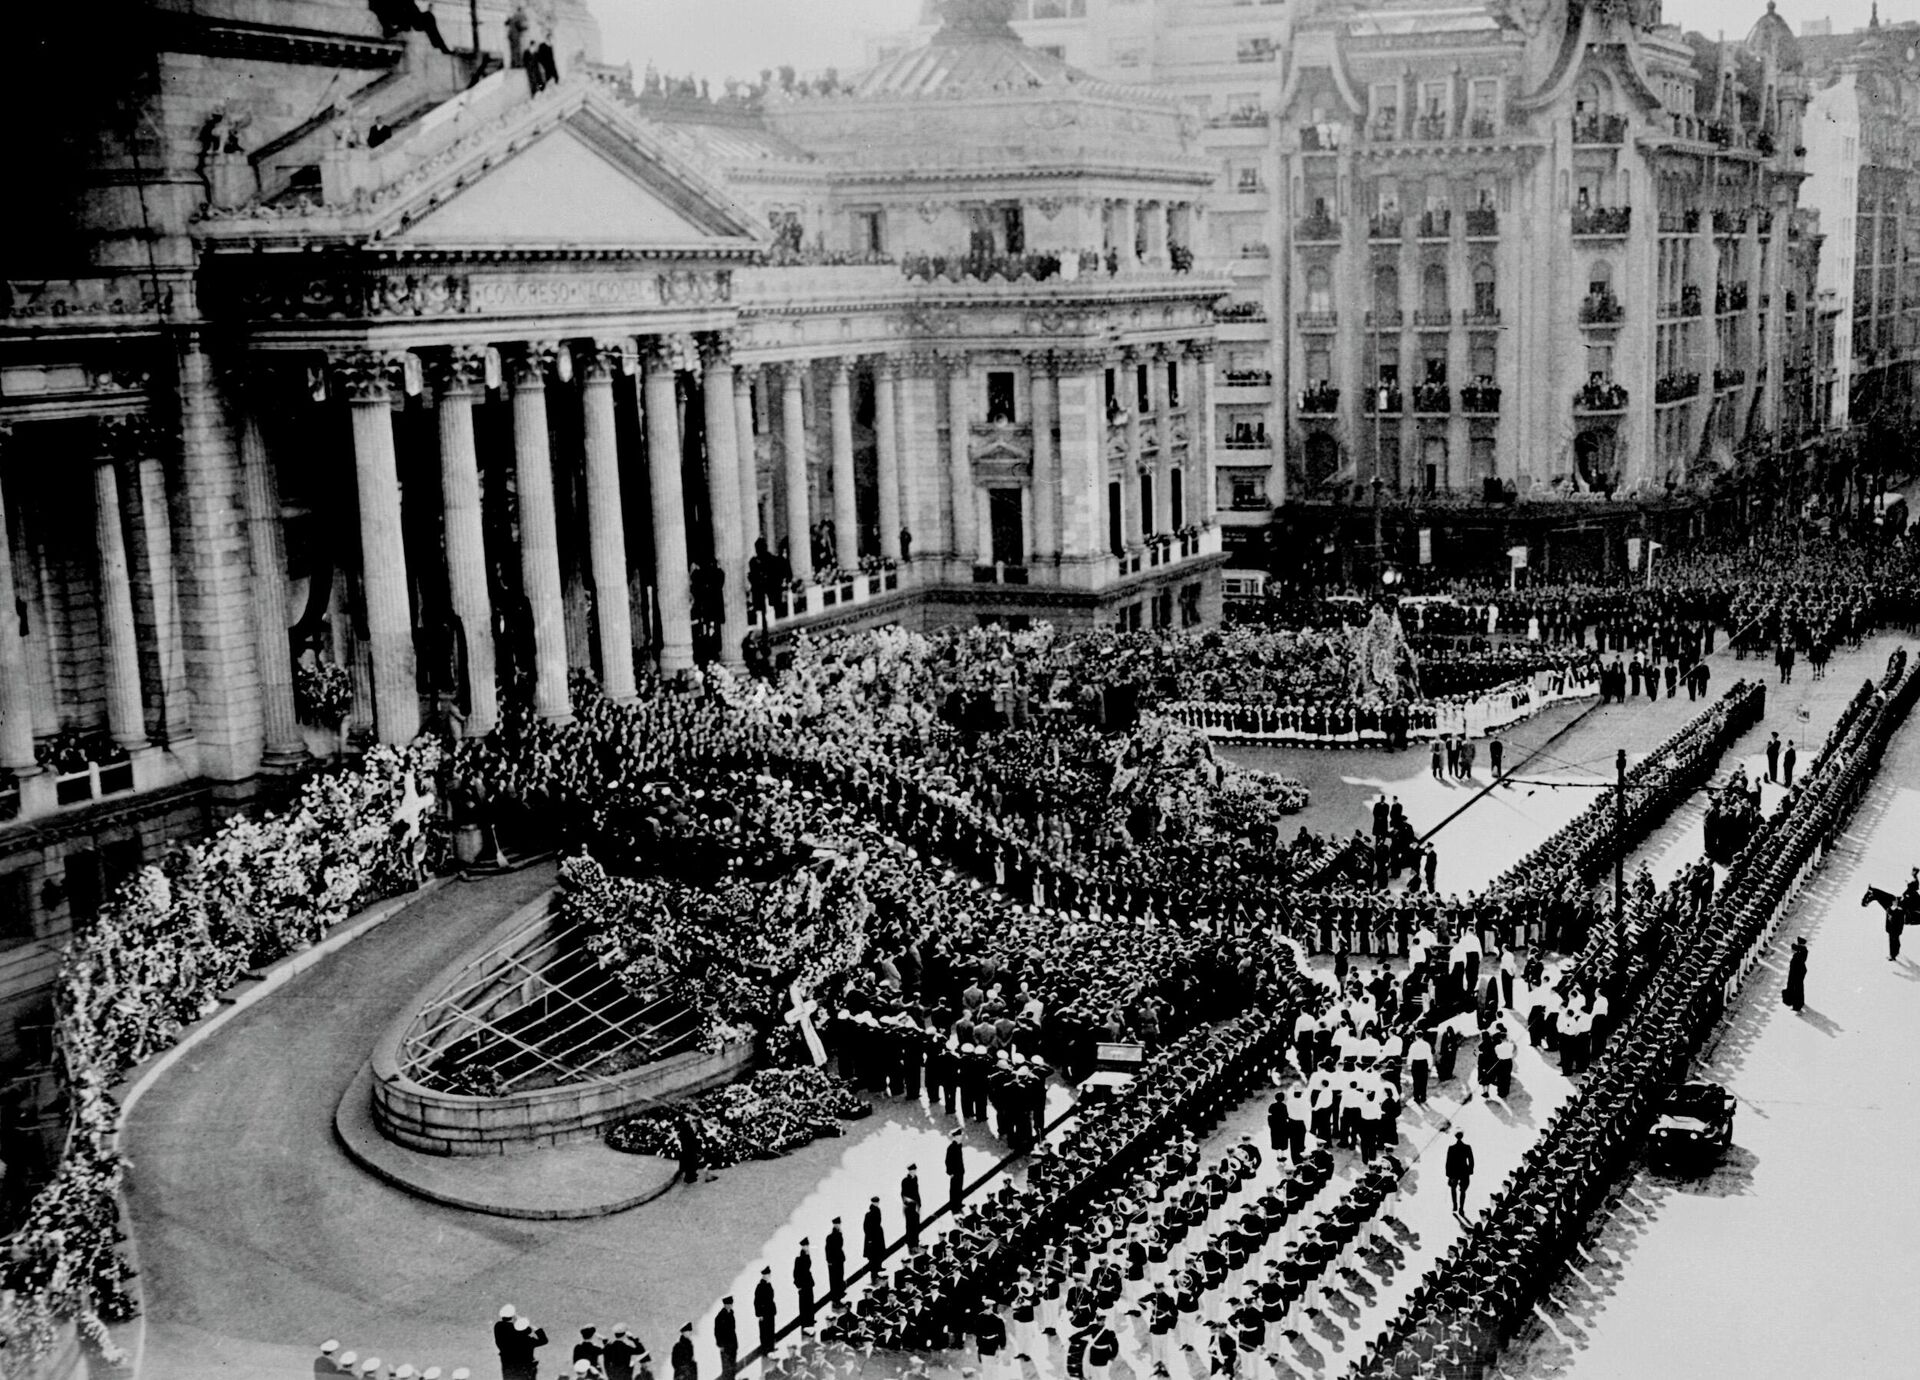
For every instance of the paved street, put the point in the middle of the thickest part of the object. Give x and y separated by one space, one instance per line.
1798 1255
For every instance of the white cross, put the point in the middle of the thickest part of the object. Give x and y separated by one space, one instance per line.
801 1014
412 807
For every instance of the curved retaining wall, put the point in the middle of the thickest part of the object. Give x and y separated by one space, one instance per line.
444 1123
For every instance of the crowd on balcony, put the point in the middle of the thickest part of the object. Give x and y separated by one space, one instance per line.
1600 394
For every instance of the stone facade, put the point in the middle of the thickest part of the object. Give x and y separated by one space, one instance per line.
380 362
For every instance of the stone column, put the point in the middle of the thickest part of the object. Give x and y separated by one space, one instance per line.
16 687
724 492
747 446
1123 225
962 540
1161 391
793 436
151 519
606 525
673 593
458 381
1133 522
368 380
1046 479
886 442
539 531
119 639
1156 228
283 748
1080 398
917 416
846 510
1198 470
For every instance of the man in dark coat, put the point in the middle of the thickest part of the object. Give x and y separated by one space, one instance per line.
503 1341
689 1150
1459 1171
803 1282
764 1308
956 1170
873 1236
684 1367
836 1254
910 1203
1773 758
1787 759
1796 994
726 1339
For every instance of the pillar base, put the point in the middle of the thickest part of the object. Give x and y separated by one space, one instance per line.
560 718
37 794
283 761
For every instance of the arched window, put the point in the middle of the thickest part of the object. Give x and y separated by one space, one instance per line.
1433 290
1590 98
1386 290
1600 279
1483 284
1319 289
1323 460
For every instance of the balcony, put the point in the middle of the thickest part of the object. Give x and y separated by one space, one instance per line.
1317 320
1257 50
1322 399
1248 185
1385 226
1679 222
1385 320
1240 311
1384 128
1480 399
1730 299
1482 127
1601 309
1432 399
1316 139
1724 379
1599 221
1430 127
1690 300
1480 316
1600 395
1247 117
1599 129
1247 438
1436 225
1384 400
1255 250
1729 222
1673 388
1483 223
1247 378
1316 230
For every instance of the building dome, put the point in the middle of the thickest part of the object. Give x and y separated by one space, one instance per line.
1772 34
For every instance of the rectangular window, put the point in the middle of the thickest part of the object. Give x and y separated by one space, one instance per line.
1000 406
16 913
1143 388
1147 524
1176 499
1173 383
1483 361
1383 103
1435 97
1006 511
870 232
1483 105
1319 366
1483 296
1013 229
1116 538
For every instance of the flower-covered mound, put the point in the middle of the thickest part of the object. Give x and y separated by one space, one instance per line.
759 1118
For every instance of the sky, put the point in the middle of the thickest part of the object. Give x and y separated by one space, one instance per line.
721 38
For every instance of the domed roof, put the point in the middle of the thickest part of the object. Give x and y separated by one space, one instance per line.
1772 34
975 51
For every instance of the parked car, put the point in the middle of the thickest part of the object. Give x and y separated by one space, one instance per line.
1694 1126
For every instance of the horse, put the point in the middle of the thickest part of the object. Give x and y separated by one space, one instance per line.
1889 902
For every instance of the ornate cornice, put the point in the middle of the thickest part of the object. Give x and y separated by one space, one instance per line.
174 31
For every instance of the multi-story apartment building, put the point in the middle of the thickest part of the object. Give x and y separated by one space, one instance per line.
1225 60
1863 178
1535 253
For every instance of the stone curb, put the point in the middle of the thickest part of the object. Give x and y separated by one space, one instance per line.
391 1164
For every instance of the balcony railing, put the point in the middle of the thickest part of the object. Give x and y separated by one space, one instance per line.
1480 399
1432 398
1483 223
1729 378
1247 117
1672 388
1480 316
92 782
1383 399
1430 127
1436 225
1320 400
1601 310
1314 229
1244 184
1317 320
1600 395
1385 320
1312 140
1433 320
1247 378
1599 129
1255 250
1240 311
1679 222
1247 440
1602 220
1384 227
1481 127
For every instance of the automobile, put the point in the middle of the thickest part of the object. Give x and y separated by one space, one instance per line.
1694 1126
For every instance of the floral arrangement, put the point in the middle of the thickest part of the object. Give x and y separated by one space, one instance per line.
759 1118
322 693
156 959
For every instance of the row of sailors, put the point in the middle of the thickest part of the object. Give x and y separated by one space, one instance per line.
899 1055
332 1361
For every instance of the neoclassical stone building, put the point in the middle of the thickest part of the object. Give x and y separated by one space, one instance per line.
338 351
